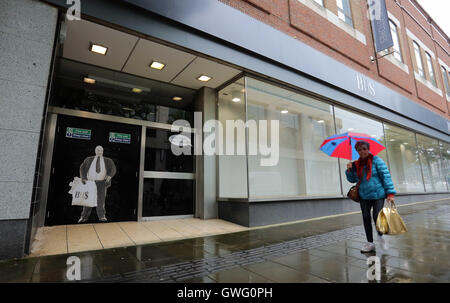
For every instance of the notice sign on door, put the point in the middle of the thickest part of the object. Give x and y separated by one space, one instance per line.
78 133
120 138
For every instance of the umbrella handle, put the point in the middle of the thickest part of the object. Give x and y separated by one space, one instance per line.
350 141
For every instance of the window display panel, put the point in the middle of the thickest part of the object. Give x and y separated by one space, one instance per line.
404 160
303 125
430 160
233 165
348 121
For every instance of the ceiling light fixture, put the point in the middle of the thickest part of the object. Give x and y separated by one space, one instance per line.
235 96
204 78
320 121
98 49
88 80
136 90
157 65
284 111
177 98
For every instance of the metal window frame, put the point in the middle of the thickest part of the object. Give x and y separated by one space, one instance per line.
419 59
445 80
347 14
430 68
394 32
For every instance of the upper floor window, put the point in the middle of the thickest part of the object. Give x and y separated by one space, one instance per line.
445 79
320 2
418 59
430 68
344 11
395 39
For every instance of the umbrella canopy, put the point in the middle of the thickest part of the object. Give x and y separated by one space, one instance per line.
343 145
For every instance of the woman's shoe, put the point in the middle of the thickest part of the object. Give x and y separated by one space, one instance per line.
368 247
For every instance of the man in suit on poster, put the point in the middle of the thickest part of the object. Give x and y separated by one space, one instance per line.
101 170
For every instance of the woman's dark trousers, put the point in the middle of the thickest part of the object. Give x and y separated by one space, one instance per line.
366 206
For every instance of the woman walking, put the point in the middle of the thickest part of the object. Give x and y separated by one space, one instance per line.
376 185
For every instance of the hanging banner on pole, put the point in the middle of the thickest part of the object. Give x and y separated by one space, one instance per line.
380 25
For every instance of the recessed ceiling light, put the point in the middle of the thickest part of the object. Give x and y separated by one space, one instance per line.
392 140
406 143
320 121
136 90
284 111
235 96
88 80
204 78
177 98
157 65
98 49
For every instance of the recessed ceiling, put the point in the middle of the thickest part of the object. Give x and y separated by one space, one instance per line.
80 35
133 55
71 73
147 51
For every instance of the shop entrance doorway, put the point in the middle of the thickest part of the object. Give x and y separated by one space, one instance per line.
75 143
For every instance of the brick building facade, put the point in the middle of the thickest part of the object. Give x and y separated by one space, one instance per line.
317 24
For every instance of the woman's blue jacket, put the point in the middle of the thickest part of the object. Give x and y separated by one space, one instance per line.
378 186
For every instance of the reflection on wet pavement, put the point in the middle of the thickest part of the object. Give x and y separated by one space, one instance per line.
326 250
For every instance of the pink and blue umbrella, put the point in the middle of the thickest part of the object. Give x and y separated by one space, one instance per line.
343 145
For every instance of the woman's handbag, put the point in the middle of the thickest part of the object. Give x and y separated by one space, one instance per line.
389 221
353 192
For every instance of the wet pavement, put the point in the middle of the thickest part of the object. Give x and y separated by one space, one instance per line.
317 251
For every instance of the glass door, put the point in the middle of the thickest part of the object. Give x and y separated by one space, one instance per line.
168 184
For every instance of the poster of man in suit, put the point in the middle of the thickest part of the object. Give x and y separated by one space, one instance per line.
101 170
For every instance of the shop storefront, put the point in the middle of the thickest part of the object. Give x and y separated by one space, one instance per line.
120 94
123 102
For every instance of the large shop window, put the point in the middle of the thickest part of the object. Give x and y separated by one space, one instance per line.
301 169
303 125
430 158
445 162
404 160
347 121
233 165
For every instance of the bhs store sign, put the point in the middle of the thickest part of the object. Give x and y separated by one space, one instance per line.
365 85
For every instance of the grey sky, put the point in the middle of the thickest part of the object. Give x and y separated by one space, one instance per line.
439 11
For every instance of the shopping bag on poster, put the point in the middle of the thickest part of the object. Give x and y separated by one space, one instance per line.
83 194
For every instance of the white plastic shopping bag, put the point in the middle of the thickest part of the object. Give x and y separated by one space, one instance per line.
83 194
